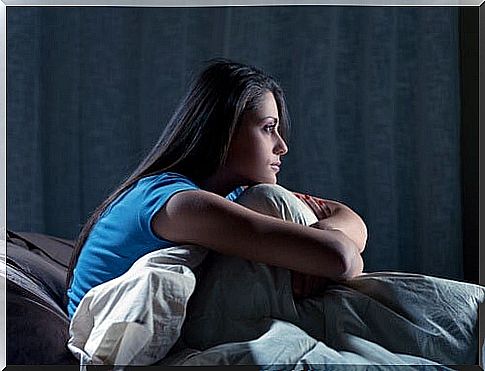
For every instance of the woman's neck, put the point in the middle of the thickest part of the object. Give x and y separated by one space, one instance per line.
219 183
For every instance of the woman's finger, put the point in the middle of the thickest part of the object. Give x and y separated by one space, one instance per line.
325 207
317 208
317 205
300 196
311 204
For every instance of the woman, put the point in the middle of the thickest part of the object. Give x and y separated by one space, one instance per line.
227 134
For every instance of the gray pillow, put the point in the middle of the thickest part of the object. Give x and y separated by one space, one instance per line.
37 323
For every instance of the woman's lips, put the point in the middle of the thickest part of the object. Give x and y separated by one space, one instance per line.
275 168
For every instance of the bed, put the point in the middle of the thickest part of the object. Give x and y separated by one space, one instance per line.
212 309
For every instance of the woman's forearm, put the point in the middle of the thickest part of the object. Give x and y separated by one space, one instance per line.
356 265
333 215
351 255
228 228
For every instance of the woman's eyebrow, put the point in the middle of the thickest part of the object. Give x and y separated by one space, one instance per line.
270 117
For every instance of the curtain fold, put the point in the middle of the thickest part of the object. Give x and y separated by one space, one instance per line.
373 94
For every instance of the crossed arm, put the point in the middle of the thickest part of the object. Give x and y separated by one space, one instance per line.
206 219
331 215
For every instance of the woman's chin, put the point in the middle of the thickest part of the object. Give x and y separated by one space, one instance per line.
270 179
264 178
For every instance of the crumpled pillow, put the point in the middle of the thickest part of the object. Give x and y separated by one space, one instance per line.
136 318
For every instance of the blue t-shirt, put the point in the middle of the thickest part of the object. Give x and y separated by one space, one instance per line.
123 233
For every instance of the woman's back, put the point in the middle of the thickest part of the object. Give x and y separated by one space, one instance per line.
123 234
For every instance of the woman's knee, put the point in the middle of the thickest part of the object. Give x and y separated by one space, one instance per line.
277 201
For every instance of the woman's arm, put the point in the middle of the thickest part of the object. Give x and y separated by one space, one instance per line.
334 215
331 215
206 219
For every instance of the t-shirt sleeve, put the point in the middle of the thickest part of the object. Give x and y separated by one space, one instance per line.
235 194
155 195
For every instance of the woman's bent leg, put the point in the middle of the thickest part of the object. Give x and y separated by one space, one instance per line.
277 201
236 299
274 200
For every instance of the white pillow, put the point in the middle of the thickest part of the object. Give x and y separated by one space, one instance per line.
136 318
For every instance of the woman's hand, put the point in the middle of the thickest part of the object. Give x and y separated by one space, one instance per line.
333 215
305 285
317 205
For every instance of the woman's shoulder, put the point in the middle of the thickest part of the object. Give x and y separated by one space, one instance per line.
152 188
166 177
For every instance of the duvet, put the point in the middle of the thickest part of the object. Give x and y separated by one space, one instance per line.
171 309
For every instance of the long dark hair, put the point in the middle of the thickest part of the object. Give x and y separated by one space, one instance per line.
196 140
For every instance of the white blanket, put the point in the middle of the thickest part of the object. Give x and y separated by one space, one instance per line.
244 313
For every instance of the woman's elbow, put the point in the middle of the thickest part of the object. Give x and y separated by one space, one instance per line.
351 262
364 237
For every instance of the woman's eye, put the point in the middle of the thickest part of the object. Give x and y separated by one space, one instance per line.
270 128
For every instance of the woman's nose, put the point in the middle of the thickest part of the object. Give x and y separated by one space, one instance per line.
281 148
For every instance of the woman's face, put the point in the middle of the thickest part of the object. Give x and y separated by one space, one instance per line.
256 148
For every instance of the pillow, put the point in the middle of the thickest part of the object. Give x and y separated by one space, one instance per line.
37 323
135 319
37 327
42 258
54 249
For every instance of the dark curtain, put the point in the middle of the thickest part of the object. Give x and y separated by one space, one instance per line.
373 93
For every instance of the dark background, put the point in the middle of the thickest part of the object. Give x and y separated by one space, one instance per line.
383 101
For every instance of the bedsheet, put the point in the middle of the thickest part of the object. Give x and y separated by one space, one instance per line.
284 346
242 312
377 318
